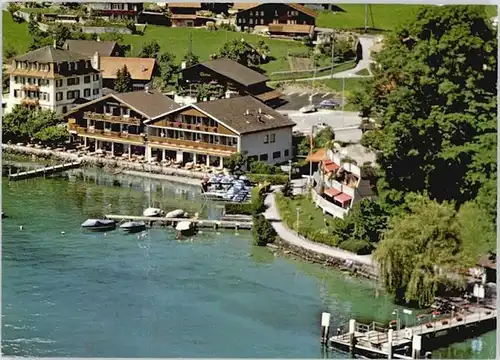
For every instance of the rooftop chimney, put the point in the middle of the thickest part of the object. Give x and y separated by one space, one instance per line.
183 65
66 46
260 111
96 62
98 38
146 88
247 112
54 44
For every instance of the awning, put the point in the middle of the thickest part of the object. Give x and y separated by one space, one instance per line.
329 166
332 192
342 198
269 95
318 156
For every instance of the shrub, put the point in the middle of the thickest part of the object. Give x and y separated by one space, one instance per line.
360 247
260 167
280 179
263 231
239 209
287 189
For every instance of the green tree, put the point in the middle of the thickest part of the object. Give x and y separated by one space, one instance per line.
190 59
123 82
420 247
287 189
433 97
60 33
235 162
166 62
262 231
240 51
150 49
324 139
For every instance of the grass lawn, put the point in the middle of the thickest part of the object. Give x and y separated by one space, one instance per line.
305 74
15 36
205 43
380 16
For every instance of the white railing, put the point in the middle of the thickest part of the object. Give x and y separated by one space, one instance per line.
328 207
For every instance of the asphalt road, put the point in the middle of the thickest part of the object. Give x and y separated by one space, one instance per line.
334 119
296 100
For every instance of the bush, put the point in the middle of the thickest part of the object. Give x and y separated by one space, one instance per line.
239 209
360 247
260 167
262 231
280 179
287 189
256 206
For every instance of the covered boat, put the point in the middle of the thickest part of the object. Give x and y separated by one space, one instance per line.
133 226
99 224
185 228
175 214
153 212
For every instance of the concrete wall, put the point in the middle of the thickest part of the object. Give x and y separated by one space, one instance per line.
328 207
254 144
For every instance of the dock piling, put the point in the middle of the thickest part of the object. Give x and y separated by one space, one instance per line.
416 346
352 337
325 327
390 336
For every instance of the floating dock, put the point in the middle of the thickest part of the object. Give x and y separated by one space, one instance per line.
46 170
377 341
162 221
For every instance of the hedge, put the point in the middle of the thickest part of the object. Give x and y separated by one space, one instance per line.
251 208
270 179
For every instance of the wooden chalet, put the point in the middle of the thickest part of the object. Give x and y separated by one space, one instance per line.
142 70
115 122
235 78
275 13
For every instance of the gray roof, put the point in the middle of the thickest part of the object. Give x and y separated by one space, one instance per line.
235 71
232 112
49 54
151 103
90 47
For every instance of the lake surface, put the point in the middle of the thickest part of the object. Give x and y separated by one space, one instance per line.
115 295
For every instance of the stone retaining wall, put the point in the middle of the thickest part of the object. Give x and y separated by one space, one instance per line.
366 271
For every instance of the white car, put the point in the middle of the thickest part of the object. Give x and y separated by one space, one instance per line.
308 109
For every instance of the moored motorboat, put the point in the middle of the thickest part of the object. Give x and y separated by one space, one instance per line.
176 214
185 228
153 212
99 224
133 226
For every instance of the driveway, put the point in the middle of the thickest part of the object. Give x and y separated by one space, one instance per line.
298 99
337 120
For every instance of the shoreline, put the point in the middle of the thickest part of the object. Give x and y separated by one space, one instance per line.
120 166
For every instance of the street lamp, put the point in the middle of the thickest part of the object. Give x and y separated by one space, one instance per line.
289 170
313 128
298 215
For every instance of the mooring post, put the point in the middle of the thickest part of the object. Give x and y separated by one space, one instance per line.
428 355
390 336
352 337
325 327
416 346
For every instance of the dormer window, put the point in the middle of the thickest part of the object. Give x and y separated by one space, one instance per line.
69 66
76 66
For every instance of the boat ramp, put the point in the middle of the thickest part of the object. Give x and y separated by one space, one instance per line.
377 341
46 170
243 224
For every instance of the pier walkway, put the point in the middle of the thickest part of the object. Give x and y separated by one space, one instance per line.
46 170
376 340
203 223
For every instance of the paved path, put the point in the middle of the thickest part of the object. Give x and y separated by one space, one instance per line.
272 214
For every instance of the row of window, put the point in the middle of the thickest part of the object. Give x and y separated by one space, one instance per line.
32 95
195 136
265 157
269 139
76 80
32 66
31 81
75 94
290 13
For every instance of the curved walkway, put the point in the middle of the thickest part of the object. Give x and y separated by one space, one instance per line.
272 214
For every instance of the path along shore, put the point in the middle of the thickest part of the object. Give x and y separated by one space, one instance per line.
298 245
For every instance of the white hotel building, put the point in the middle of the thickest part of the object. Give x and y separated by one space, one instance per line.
52 79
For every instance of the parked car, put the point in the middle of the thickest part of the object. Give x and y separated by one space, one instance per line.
329 104
308 109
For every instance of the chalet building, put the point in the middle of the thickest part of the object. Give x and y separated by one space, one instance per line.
186 15
119 11
142 70
286 30
208 132
90 47
269 13
51 78
115 122
236 79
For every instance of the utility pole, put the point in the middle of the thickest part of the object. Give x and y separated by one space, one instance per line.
366 18
333 54
190 43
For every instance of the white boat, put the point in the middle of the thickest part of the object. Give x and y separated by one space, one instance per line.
153 212
179 213
185 228
99 224
133 226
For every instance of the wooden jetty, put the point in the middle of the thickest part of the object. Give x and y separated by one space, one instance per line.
377 341
201 223
46 170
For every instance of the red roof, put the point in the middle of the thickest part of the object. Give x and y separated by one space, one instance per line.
330 166
342 197
332 192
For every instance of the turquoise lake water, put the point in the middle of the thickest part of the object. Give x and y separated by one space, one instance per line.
101 295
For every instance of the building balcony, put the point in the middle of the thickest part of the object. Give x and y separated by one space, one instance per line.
112 118
30 88
184 126
30 102
328 207
107 134
189 144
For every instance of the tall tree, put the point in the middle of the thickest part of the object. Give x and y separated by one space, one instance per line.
433 97
190 59
123 82
150 49
240 51
166 62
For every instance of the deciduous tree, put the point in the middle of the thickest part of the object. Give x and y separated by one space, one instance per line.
123 82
